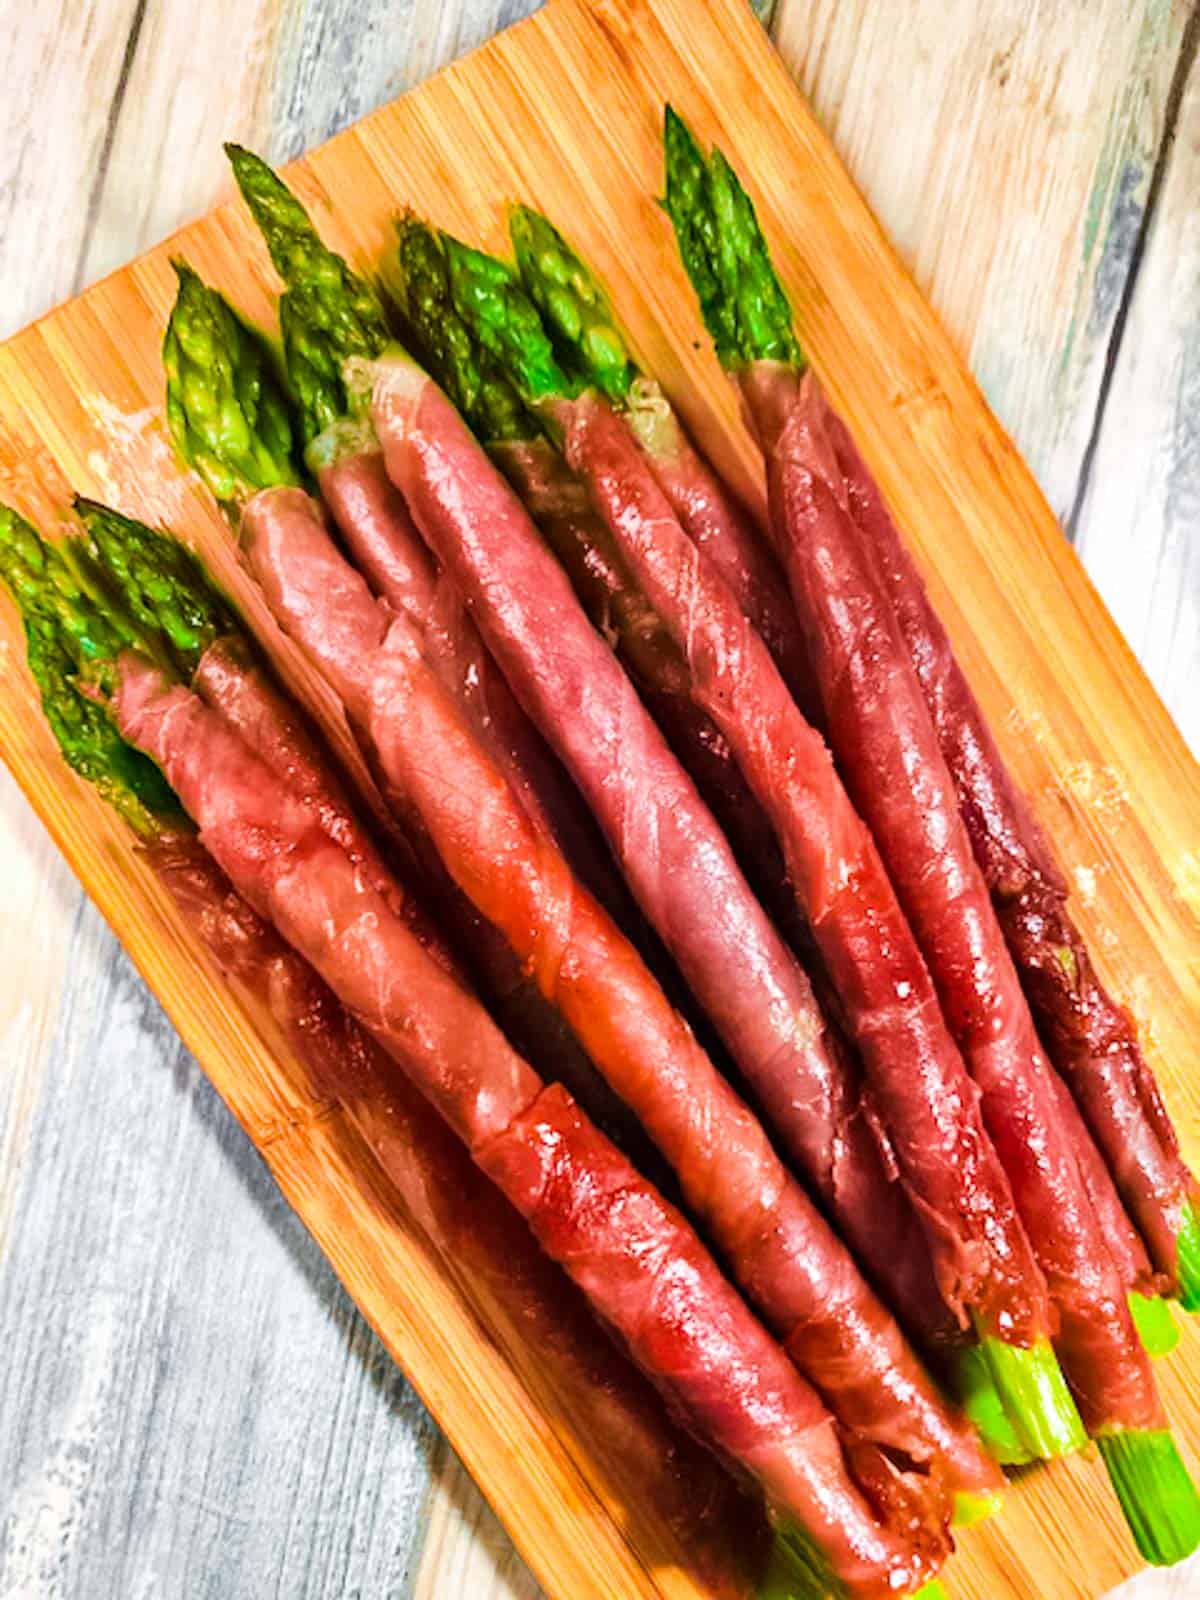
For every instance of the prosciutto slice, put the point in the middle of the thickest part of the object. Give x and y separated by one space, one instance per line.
721 529
674 855
1091 1039
634 1256
559 504
231 680
780 1249
383 544
888 750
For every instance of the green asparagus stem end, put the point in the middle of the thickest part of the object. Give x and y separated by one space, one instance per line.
795 1568
1036 1398
1156 1326
979 1397
1156 1492
1189 1259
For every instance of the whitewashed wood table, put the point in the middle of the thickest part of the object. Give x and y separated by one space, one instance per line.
189 1405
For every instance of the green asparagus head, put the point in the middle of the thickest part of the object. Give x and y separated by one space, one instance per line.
227 413
488 296
572 304
160 582
447 344
71 644
328 312
742 301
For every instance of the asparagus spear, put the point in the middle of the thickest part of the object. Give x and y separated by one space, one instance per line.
592 348
70 645
747 313
328 313
161 583
226 410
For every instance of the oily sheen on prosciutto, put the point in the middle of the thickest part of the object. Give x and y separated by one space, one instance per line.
672 851
720 528
1091 1039
780 1248
231 679
887 748
380 539
641 1266
558 502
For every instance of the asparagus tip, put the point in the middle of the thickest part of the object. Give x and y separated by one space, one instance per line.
1035 1396
1156 1326
1189 1258
1156 1492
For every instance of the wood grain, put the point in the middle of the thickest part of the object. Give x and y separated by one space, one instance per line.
1143 496
972 509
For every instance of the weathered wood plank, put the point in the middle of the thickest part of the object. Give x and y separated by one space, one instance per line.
1139 523
63 66
1007 149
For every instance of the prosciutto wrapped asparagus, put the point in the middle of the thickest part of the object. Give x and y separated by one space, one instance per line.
437 769
888 749
639 1263
778 1246
918 1081
576 310
546 1327
1091 1039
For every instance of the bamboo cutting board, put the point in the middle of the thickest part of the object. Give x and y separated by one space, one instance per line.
564 110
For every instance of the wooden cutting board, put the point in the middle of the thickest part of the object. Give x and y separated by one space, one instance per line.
565 110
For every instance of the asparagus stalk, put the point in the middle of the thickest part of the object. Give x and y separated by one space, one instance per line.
748 316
